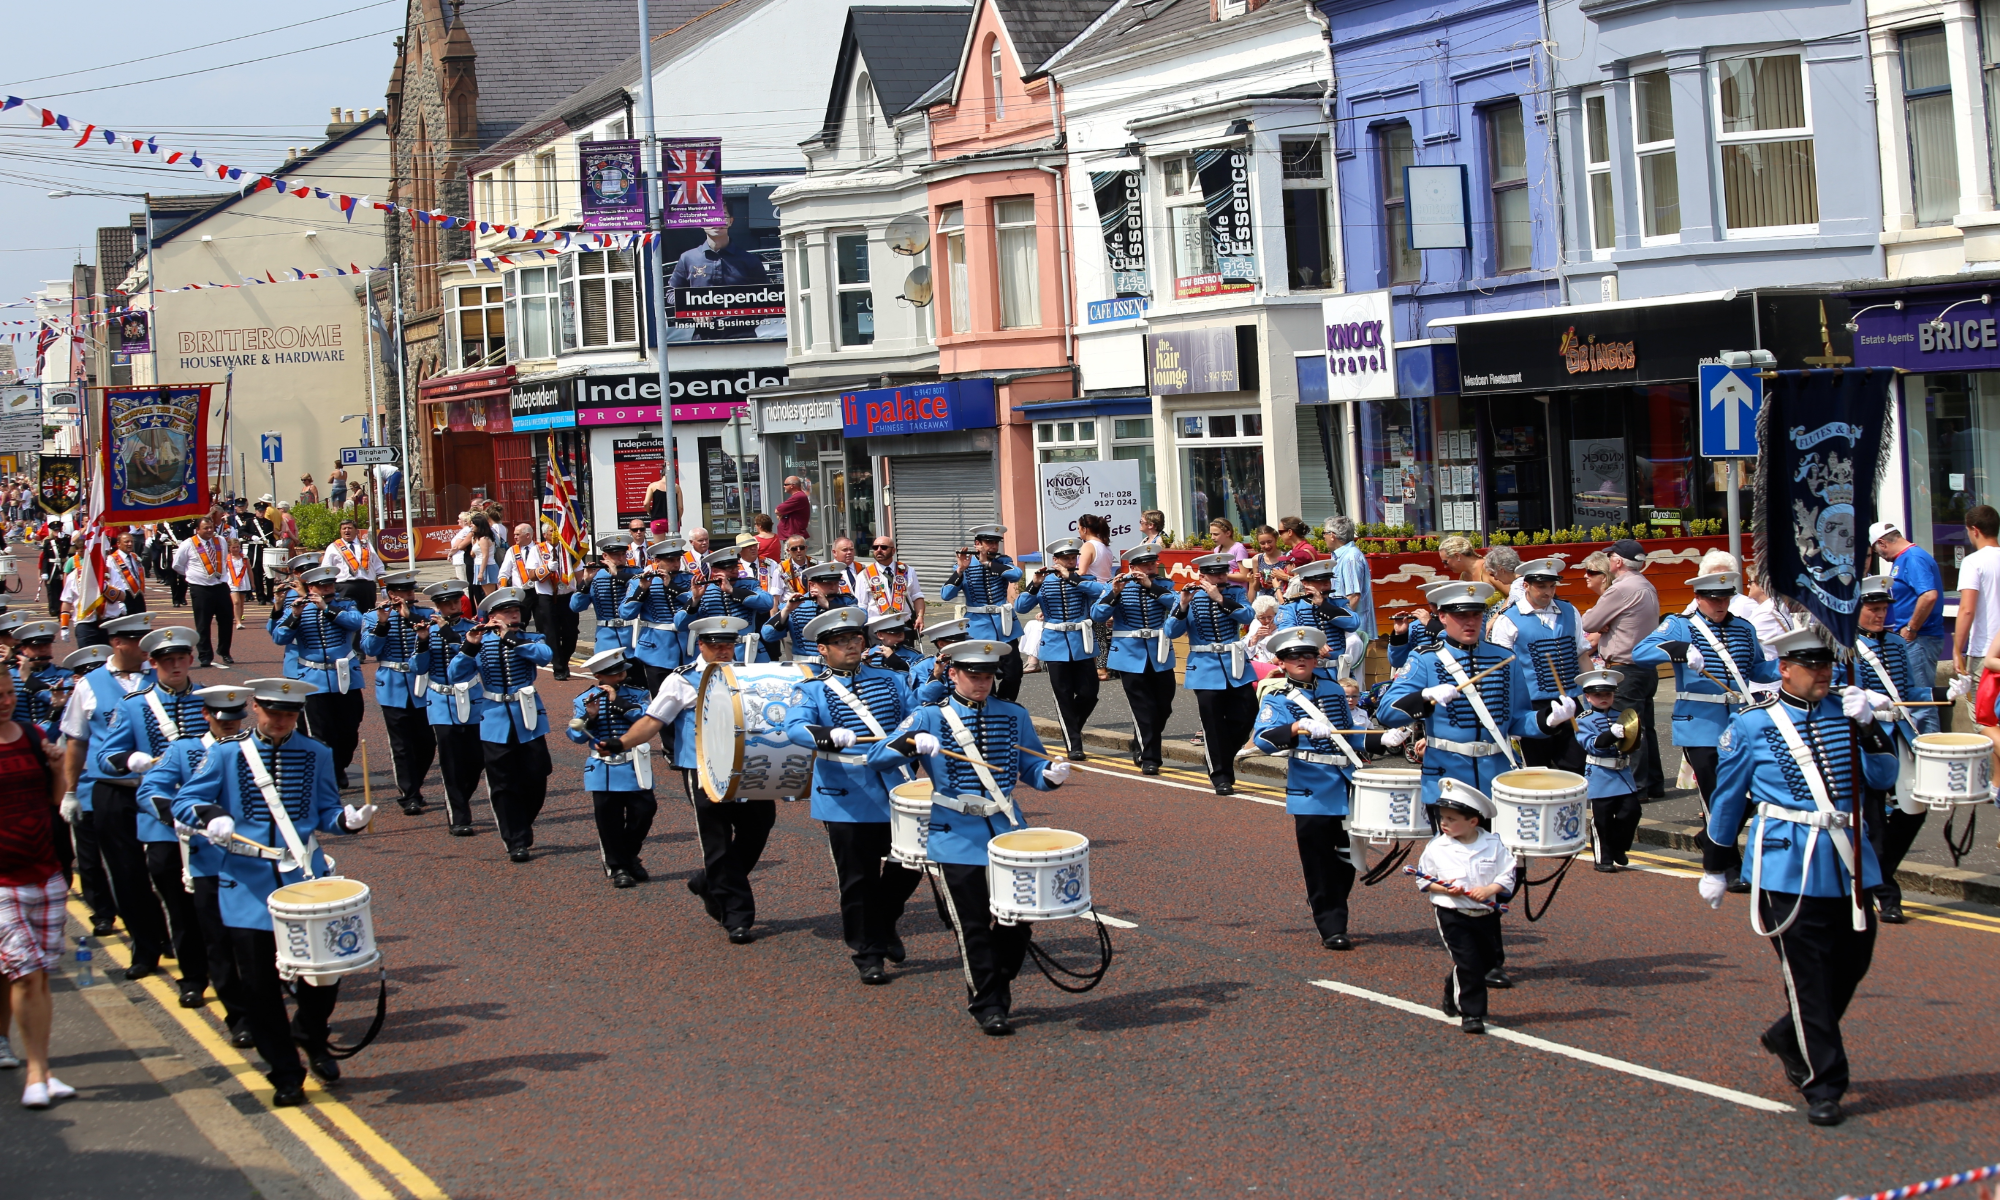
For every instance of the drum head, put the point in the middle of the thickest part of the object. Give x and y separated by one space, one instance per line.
1039 841
1538 779
916 789
718 731
1953 741
328 891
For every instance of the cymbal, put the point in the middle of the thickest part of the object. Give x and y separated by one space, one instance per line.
1627 726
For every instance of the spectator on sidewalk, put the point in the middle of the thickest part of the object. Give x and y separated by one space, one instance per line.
769 545
1624 614
33 895
795 510
1916 592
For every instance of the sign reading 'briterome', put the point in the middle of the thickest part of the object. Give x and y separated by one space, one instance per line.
259 345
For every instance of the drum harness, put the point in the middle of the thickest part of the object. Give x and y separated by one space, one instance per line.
1458 676
275 805
172 732
1722 652
860 709
1823 817
1357 856
1958 847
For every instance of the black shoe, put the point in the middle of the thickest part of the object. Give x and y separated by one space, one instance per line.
895 953
203 666
225 660
1605 868
1225 789
291 1095
1337 941
1149 768
623 879
562 674
1796 1068
193 997
519 856
462 831
1892 913
995 1025
741 936
638 871
1737 885
242 1038
413 810
1622 860
103 929
872 973
139 970
324 1066
1497 978
1825 1112
1078 756
1472 1024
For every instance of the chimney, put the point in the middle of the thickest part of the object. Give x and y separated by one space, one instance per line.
344 122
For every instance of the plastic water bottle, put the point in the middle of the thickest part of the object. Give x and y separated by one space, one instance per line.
86 974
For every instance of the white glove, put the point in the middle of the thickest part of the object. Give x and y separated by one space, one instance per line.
220 829
139 762
71 809
926 743
841 737
1056 773
1561 711
357 818
1396 737
1959 688
1695 661
1711 888
1441 693
1854 702
1882 705
63 633
1319 729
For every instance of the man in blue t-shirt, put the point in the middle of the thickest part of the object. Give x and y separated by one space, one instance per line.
1916 591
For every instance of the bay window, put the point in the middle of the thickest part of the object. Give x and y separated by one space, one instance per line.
1398 149
1507 165
531 313
1020 276
599 300
1659 175
1308 246
1597 168
951 227
856 296
1927 113
479 327
1187 218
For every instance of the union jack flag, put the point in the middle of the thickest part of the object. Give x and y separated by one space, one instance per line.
692 174
559 511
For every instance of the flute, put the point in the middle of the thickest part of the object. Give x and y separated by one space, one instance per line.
1495 905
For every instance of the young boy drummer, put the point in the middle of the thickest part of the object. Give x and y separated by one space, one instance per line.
1477 873
970 805
620 784
1607 771
849 703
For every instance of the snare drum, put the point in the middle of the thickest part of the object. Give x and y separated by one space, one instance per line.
1540 812
1037 875
910 823
1388 805
324 929
1953 769
740 732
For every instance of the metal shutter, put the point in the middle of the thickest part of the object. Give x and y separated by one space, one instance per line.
939 498
1319 489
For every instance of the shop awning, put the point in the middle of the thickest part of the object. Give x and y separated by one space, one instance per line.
1581 309
466 385
1085 406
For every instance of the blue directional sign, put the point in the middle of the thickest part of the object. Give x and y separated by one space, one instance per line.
1729 399
274 448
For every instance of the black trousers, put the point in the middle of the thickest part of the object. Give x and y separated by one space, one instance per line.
1474 942
992 953
412 746
650 678
1715 859
517 782
461 759
1636 692
215 940
1227 717
177 585
1328 871
212 604
1616 819
1075 686
135 602
623 821
163 864
335 718
1008 686
1559 749
91 875
558 622
732 840
1892 832
1150 695
873 891
361 591
87 635
115 813
1823 959
256 954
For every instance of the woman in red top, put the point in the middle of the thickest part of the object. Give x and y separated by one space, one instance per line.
33 893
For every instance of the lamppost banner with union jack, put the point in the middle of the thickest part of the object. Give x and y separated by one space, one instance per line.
691 179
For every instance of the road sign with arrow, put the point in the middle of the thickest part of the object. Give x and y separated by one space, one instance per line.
1730 400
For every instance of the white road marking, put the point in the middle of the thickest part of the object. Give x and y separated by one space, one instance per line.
1615 1064
1191 787
1102 919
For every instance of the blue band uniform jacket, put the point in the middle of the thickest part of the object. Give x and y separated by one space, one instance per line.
603 599
1208 624
318 640
1138 614
1064 602
656 606
301 772
401 654
106 694
1546 657
1413 641
1894 654
164 782
503 666
441 698
1700 711
1319 778
1403 702
38 701
997 726
844 786
989 615
793 626
1333 618
1607 771
612 720
134 728
742 599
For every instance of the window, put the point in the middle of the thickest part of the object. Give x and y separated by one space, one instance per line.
510 200
1132 439
864 116
1020 276
951 227
996 79
615 132
1659 178
1989 69
598 300
1066 441
857 299
545 187
487 212
1187 217
1398 150
531 313
1222 467
1767 149
1933 139
1507 159
802 329
1225 9
1308 248
1597 167
480 332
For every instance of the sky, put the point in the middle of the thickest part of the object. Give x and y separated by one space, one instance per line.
272 92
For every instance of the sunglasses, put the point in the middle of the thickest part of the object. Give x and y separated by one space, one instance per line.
879 549
1593 572
1291 655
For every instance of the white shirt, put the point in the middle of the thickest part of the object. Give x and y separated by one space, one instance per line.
539 559
72 595
1981 570
1766 618
874 588
676 696
1472 864
513 568
1504 631
367 563
187 561
83 701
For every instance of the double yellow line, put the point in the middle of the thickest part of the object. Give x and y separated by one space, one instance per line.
1915 910
335 1134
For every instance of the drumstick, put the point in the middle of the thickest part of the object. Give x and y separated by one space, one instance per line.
1039 754
1488 671
1717 682
1926 703
1494 905
237 837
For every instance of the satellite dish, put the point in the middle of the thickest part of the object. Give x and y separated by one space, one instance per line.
917 288
908 234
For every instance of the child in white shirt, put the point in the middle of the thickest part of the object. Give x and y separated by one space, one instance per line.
1477 872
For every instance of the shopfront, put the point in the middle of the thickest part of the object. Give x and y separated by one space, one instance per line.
938 447
1944 339
470 445
715 449
1577 417
1207 381
800 431
542 410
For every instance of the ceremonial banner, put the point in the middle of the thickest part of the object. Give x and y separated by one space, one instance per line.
152 461
135 331
62 483
1119 216
1825 435
614 191
691 181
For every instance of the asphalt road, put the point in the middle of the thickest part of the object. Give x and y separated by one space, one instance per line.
548 1034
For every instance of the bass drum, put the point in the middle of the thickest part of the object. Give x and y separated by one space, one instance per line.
740 733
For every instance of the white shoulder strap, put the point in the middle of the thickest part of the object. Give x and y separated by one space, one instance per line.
1478 702
167 725
1313 713
1700 624
274 804
1816 785
1881 671
969 746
